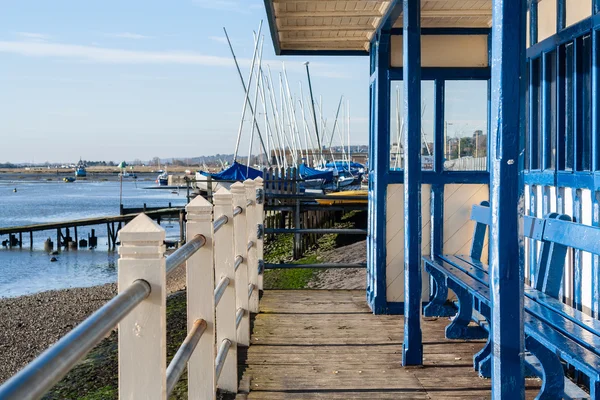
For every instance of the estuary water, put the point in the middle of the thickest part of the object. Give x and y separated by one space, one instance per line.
24 271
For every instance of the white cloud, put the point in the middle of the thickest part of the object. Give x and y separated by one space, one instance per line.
105 55
220 39
33 36
128 35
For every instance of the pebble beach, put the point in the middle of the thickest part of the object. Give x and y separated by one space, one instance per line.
30 324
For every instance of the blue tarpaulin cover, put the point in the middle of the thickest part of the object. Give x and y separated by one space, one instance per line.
343 165
236 172
310 173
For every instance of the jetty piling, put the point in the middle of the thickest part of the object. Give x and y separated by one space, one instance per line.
113 223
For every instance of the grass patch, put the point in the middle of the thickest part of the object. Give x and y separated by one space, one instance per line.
280 250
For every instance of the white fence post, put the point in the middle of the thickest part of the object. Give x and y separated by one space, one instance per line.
240 237
252 254
201 301
259 213
143 332
225 310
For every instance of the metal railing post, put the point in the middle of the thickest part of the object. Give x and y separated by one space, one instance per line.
240 238
200 300
143 332
224 268
259 214
252 233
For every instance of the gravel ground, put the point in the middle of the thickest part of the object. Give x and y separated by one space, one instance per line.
31 324
346 278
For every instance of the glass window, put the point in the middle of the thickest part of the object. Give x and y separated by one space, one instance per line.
569 107
466 126
584 142
398 127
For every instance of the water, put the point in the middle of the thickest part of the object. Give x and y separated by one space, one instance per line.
25 271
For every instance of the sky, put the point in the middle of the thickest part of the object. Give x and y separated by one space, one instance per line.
124 80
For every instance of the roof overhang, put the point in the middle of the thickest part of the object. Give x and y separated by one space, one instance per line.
346 27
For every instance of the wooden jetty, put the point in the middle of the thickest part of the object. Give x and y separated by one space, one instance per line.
113 225
327 344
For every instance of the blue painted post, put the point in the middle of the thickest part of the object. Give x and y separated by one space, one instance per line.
561 15
577 254
533 253
506 197
595 258
437 190
533 22
412 351
379 172
595 163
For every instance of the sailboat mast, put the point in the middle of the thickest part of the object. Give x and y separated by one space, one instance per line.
349 151
262 41
312 100
246 89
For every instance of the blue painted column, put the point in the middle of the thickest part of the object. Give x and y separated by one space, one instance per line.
506 197
379 166
412 351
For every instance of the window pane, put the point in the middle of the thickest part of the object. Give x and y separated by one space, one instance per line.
398 126
585 163
466 125
569 107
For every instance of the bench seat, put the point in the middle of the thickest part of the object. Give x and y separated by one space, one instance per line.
555 333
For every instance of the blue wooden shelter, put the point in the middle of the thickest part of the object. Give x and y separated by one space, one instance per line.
526 75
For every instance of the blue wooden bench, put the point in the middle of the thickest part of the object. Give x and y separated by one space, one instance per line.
555 333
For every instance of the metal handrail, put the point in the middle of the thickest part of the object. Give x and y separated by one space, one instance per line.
250 244
179 361
219 222
220 289
237 211
221 357
250 289
182 254
249 203
238 261
238 317
45 371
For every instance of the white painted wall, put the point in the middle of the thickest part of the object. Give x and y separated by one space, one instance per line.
458 227
395 240
566 206
458 230
446 51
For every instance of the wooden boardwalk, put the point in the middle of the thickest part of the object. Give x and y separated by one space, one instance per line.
326 344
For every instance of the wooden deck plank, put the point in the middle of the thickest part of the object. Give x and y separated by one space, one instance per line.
326 344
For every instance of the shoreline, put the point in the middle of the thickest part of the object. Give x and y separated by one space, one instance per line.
32 323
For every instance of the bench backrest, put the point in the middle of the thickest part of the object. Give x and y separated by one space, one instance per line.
555 231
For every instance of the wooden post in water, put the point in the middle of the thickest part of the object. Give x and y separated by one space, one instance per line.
20 240
76 237
109 235
181 227
31 240
143 332
58 235
201 300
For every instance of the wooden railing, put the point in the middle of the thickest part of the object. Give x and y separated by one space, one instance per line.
223 255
